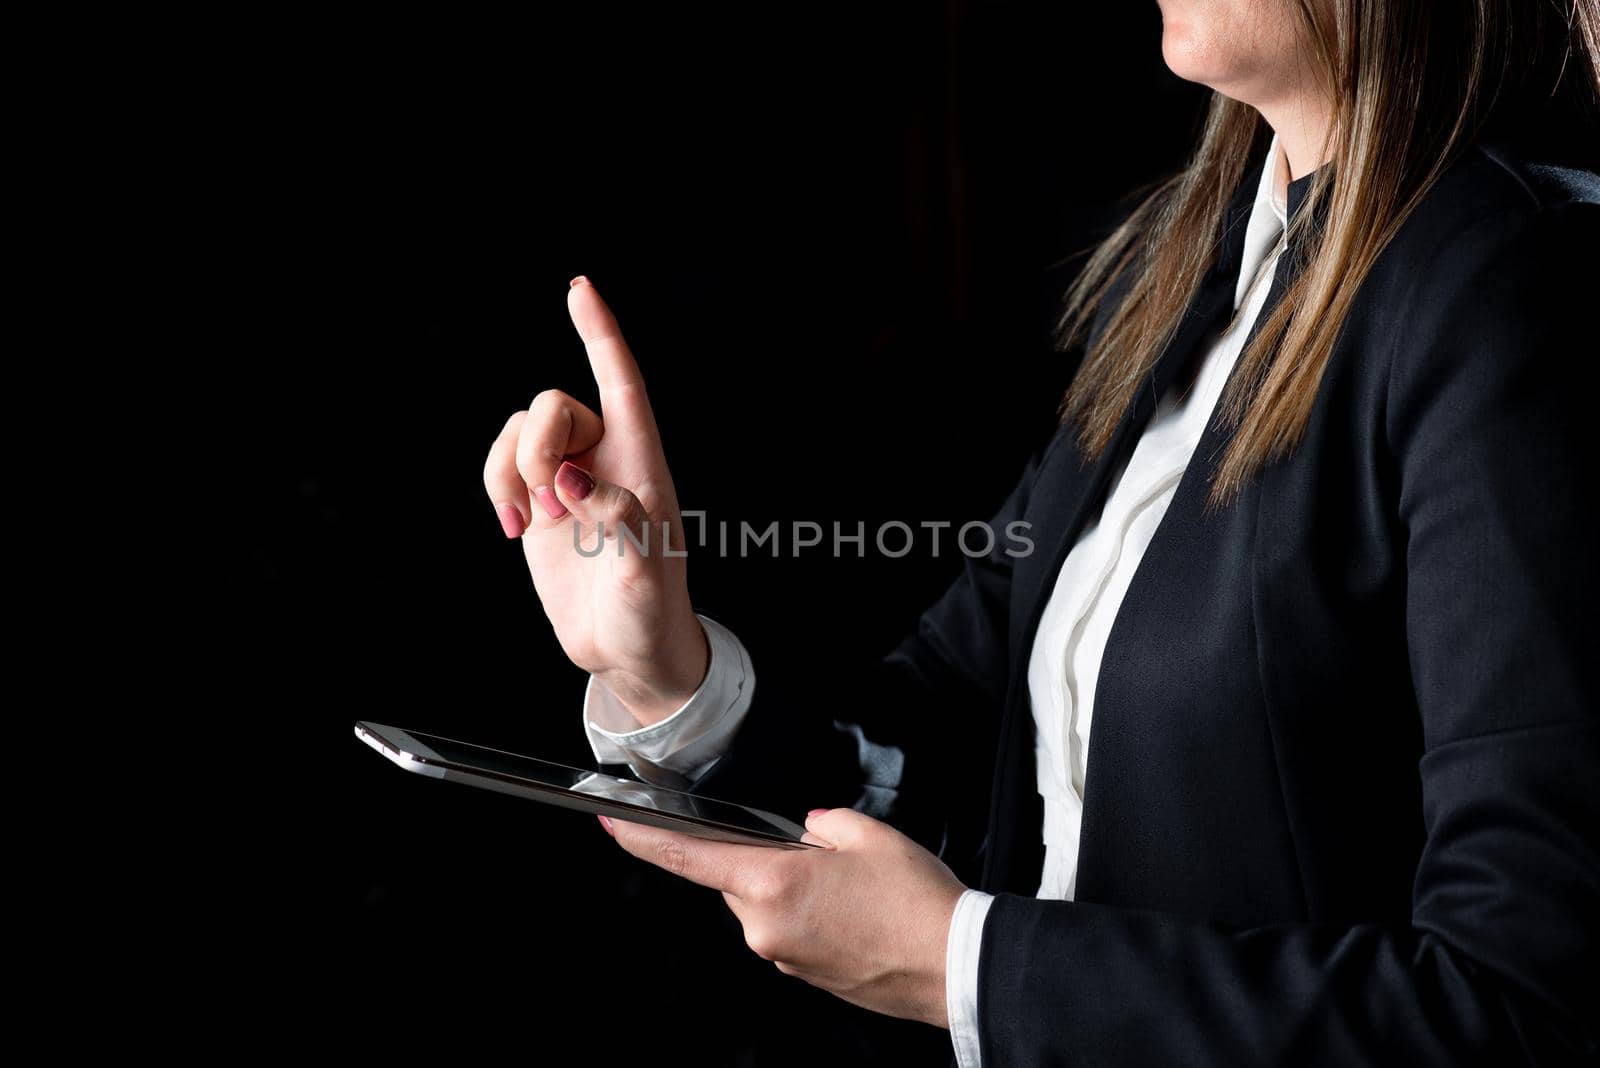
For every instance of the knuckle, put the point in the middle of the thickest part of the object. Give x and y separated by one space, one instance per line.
548 403
671 856
502 449
770 888
761 943
497 478
620 506
508 433
549 416
631 391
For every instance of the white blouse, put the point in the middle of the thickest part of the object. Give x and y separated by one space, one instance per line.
1064 662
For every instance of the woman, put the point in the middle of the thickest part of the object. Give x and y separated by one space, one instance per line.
1314 559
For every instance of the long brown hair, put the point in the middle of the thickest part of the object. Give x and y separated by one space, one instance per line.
1412 82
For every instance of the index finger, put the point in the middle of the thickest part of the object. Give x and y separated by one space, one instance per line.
622 396
725 866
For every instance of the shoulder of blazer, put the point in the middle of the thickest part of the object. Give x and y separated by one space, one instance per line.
1490 183
1544 182
1483 274
1496 204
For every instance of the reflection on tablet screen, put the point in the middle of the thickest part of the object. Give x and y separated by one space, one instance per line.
580 780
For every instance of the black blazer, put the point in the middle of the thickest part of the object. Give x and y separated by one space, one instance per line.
1343 789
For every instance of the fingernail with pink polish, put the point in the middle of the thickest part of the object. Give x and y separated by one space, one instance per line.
510 520
549 501
815 812
607 825
574 481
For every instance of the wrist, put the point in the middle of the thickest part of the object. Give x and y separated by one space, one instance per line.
673 677
936 1002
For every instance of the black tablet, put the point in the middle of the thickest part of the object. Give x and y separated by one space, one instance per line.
578 788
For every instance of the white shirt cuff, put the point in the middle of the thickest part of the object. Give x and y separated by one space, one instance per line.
961 974
690 740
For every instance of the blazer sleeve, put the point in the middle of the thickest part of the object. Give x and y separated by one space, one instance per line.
1492 442
899 738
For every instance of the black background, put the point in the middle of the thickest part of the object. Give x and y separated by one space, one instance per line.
835 239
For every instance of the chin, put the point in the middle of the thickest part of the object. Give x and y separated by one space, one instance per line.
1191 50
1240 48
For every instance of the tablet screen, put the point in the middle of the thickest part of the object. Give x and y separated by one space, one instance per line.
626 791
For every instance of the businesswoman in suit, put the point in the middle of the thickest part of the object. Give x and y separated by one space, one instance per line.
1314 558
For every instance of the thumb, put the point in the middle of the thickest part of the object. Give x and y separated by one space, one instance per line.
844 827
596 502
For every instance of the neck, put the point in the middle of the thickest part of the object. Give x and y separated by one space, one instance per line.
1302 127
